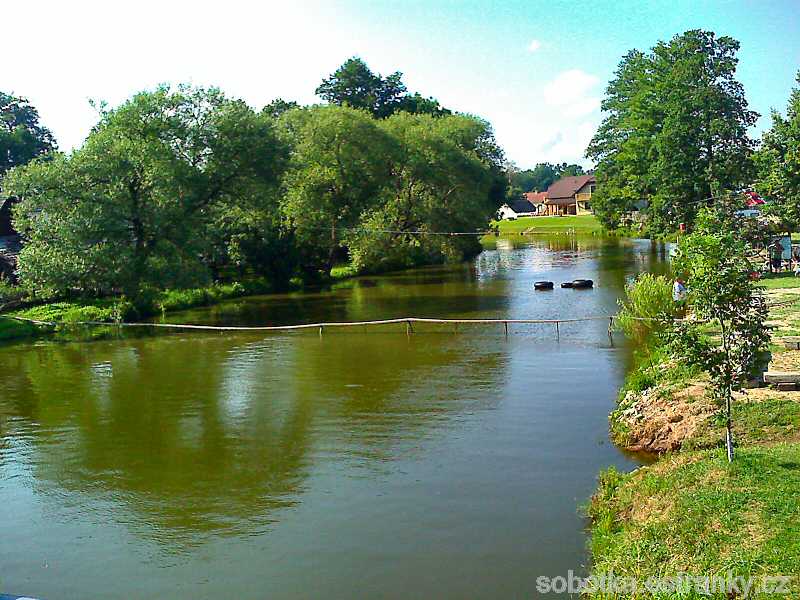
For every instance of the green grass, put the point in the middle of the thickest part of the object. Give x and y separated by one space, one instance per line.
581 224
113 310
11 329
774 281
343 271
770 420
694 513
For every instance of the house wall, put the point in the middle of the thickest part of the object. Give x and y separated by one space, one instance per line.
583 198
505 212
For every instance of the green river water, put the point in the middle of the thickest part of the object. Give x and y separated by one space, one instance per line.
360 464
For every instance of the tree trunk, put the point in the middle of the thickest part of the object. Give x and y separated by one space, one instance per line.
332 251
728 428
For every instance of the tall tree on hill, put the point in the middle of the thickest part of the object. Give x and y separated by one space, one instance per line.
353 84
675 133
22 137
778 162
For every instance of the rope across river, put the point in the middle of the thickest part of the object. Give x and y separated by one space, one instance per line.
400 320
408 321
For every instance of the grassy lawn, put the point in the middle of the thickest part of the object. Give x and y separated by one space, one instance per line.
773 281
581 224
694 513
691 512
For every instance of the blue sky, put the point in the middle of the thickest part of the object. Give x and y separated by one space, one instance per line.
536 70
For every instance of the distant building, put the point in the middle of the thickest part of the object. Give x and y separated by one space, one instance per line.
530 205
571 195
537 199
516 208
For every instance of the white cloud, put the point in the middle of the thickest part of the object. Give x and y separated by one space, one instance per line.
554 123
534 45
569 87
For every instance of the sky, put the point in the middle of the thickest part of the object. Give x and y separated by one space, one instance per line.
536 70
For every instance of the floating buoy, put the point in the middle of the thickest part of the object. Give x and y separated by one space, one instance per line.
566 284
582 283
543 285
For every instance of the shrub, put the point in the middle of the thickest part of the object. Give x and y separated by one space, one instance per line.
647 308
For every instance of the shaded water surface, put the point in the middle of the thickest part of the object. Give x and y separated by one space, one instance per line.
357 464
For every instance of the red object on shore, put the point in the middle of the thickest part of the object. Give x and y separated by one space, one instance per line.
753 199
682 227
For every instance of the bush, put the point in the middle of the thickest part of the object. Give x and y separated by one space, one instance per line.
647 308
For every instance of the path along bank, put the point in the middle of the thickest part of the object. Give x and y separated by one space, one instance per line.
691 511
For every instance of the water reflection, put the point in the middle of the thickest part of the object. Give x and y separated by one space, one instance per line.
200 434
255 460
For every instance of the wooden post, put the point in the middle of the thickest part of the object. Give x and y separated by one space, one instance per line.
505 324
320 331
408 328
611 330
558 333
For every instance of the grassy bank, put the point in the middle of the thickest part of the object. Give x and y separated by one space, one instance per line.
694 513
691 511
115 310
580 224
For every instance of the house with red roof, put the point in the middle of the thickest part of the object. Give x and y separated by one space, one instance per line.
571 195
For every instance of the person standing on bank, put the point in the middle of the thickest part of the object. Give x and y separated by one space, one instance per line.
776 256
679 296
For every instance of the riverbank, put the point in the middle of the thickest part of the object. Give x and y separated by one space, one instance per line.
16 324
691 511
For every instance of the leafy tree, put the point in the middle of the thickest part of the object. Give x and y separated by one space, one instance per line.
340 163
131 209
571 170
22 137
354 84
778 162
675 133
542 177
717 269
440 182
420 105
279 106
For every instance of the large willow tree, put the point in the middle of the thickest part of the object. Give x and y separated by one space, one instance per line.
136 207
675 131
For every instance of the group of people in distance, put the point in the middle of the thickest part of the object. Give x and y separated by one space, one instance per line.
775 262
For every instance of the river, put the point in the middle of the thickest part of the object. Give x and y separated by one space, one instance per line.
362 463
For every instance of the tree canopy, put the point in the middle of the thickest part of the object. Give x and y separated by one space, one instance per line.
178 187
675 133
22 137
778 163
354 84
132 208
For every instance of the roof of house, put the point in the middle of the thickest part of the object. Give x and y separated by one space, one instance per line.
536 197
566 187
521 205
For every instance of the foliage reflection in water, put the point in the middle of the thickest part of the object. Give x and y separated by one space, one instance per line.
287 465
